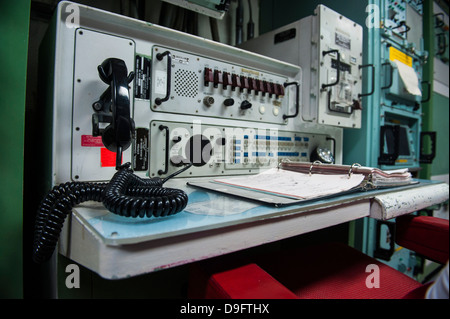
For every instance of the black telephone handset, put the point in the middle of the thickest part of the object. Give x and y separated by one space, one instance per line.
113 108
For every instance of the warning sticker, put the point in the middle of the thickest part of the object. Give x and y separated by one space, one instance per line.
91 141
395 54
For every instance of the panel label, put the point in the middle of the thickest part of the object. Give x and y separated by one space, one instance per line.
141 150
160 82
342 40
395 54
142 78
285 35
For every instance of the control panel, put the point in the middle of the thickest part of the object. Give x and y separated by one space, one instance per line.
328 48
224 150
191 84
225 110
402 87
395 17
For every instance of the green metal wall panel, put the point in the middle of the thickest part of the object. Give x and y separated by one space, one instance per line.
440 124
14 23
436 110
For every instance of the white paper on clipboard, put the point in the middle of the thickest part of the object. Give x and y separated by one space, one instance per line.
295 185
409 78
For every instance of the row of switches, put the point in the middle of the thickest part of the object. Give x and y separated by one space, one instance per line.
217 77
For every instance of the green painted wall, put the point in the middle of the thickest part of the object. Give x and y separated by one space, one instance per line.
277 13
440 124
436 110
14 22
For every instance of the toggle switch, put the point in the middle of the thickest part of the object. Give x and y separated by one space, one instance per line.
269 87
176 139
208 76
226 80
260 86
217 78
278 90
244 83
235 82
245 105
253 85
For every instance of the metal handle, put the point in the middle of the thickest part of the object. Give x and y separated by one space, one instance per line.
166 166
402 24
160 56
380 252
428 91
338 68
442 46
297 97
438 23
391 75
427 158
373 79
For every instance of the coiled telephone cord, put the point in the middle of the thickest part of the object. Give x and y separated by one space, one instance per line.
125 195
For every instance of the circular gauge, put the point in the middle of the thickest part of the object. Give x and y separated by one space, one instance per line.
322 154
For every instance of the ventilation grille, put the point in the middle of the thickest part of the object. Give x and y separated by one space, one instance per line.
186 83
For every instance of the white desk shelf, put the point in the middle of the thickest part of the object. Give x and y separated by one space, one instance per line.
214 224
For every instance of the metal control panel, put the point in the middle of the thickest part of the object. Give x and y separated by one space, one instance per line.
402 87
225 110
208 87
395 17
328 48
225 150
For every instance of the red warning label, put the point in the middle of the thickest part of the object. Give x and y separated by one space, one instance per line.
91 141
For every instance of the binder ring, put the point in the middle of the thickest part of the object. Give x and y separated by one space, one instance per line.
311 167
350 171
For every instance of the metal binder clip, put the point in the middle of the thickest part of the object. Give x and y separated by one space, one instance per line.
311 167
281 161
350 171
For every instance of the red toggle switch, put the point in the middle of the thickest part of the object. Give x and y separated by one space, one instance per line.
208 76
244 83
269 87
280 89
276 90
217 77
253 85
235 81
260 86
226 79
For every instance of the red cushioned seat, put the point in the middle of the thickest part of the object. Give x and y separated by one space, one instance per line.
242 282
324 271
414 232
334 271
